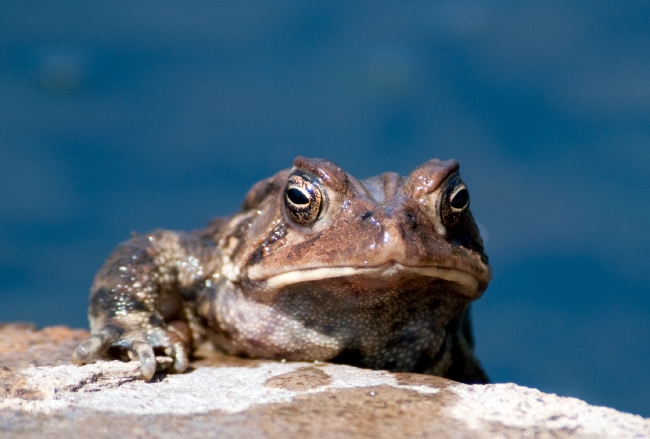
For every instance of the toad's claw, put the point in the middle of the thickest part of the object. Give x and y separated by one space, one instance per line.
145 355
139 345
98 342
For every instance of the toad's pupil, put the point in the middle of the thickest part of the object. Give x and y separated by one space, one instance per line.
296 196
460 199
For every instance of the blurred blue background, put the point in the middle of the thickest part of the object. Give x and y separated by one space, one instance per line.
128 116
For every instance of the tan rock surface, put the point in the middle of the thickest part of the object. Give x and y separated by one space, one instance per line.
44 396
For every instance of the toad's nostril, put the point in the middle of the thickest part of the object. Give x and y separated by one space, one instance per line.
410 221
367 215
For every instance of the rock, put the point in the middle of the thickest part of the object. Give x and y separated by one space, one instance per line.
43 395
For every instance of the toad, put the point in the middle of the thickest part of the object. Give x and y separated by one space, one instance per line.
317 266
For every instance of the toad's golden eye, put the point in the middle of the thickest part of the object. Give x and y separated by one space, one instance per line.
459 199
303 200
454 203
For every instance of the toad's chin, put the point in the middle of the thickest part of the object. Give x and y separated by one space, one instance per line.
388 272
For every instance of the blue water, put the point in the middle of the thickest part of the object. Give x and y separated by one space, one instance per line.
123 117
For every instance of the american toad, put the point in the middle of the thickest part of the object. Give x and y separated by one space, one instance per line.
318 265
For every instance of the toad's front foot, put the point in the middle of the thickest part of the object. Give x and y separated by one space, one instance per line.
140 345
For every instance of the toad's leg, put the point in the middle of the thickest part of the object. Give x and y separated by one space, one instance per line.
143 298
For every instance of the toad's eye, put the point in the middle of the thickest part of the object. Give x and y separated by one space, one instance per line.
459 199
303 200
454 203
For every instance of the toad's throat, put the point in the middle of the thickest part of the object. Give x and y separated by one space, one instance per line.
386 272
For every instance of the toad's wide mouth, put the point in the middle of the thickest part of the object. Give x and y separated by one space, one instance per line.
389 271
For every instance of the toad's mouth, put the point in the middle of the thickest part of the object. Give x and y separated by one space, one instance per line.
387 272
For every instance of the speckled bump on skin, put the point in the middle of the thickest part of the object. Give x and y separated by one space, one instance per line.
318 265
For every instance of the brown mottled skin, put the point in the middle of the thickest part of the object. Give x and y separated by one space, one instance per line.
317 265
